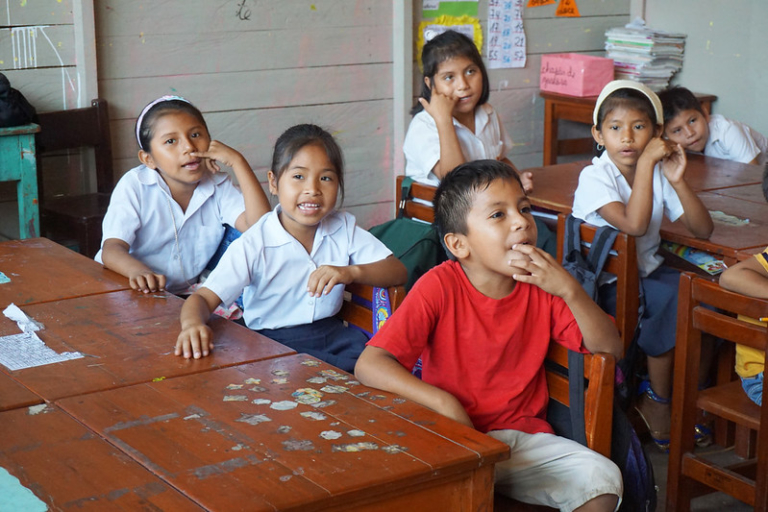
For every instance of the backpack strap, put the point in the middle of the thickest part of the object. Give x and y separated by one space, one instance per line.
576 396
601 248
405 191
572 240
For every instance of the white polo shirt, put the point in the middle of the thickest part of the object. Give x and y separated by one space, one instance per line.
733 140
142 213
602 183
274 269
422 144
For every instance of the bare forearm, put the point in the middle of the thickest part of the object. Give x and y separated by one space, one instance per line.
116 257
745 281
450 150
256 202
696 217
597 328
387 272
195 311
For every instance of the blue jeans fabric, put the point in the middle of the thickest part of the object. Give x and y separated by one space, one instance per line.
753 386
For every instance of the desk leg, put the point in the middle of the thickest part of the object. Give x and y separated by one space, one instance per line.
550 134
26 191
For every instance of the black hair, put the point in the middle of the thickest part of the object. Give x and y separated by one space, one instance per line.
446 46
457 190
678 99
296 137
145 132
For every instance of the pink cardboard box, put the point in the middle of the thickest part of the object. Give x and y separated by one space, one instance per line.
575 74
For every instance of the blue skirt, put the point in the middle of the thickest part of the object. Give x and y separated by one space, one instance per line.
327 339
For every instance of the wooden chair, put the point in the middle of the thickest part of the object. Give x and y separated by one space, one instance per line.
414 210
689 474
624 265
357 308
80 216
598 406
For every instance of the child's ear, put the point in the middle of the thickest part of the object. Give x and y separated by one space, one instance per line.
597 135
428 82
147 159
272 179
457 244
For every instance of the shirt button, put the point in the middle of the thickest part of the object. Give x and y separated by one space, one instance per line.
310 302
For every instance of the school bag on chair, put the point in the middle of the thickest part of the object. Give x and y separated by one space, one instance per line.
414 243
15 110
626 450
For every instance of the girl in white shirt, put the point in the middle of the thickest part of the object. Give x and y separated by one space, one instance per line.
295 261
166 217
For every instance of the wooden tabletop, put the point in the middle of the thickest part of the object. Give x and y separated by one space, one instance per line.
53 460
126 337
41 271
752 193
293 433
13 395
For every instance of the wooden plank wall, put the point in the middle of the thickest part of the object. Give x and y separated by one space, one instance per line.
515 92
255 68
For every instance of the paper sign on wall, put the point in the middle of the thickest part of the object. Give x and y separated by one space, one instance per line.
435 8
466 25
506 34
567 9
539 3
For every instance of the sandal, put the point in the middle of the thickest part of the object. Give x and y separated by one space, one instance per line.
660 439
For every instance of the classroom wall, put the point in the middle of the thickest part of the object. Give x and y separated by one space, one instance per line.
724 52
515 92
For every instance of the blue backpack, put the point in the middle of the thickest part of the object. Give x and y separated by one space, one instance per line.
640 493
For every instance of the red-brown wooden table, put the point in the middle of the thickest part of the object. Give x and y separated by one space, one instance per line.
13 395
41 271
126 338
238 438
69 468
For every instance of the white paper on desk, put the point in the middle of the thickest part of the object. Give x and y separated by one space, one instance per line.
25 323
26 350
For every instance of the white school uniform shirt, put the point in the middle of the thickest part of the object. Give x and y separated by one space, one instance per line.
422 144
602 183
142 213
733 140
274 269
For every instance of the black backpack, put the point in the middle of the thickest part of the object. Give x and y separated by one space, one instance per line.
15 110
626 450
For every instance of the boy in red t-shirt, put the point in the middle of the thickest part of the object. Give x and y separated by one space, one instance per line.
482 324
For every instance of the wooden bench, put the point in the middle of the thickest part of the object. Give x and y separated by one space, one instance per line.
414 210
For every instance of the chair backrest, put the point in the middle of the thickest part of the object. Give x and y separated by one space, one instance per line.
78 128
598 399
726 399
624 265
357 308
414 210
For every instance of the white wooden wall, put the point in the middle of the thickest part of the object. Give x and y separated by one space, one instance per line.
255 71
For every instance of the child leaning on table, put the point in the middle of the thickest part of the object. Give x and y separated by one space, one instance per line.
295 261
166 217
686 123
482 324
637 180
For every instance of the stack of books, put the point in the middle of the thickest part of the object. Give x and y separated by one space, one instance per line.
645 55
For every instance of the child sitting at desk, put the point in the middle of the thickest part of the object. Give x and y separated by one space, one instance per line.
482 324
166 217
686 123
295 261
638 179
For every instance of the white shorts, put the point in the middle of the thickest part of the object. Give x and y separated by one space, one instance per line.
545 469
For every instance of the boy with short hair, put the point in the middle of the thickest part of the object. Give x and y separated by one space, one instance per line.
482 324
686 123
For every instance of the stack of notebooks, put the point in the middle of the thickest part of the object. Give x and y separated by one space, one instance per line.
645 55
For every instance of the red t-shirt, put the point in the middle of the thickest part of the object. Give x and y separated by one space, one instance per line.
488 353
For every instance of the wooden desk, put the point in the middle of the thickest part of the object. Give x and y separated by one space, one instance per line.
555 185
41 271
354 453
752 193
13 395
18 163
126 338
572 108
69 468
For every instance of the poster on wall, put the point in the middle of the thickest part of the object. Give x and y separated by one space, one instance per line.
506 34
466 25
435 8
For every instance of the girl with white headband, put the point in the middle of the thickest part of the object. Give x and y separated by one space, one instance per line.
166 217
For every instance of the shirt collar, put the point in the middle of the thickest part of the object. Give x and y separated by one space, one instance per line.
275 234
482 117
206 186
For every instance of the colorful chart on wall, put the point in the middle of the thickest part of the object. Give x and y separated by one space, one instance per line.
435 8
466 25
506 34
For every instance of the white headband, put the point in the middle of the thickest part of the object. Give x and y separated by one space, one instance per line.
167 97
614 86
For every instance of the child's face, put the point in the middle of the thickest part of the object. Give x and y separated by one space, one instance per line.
307 189
459 78
499 219
175 136
690 129
625 132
